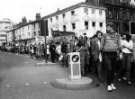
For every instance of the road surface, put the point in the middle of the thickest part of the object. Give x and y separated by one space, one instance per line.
24 78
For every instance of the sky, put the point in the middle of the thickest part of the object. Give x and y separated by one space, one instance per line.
16 9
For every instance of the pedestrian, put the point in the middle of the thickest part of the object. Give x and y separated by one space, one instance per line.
58 52
35 48
52 49
127 49
73 43
48 52
64 50
97 55
83 57
32 51
110 48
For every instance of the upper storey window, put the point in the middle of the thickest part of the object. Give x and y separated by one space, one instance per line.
73 12
93 11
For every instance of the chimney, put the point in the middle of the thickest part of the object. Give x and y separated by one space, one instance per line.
38 16
24 20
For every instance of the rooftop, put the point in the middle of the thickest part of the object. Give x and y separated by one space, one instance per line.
82 4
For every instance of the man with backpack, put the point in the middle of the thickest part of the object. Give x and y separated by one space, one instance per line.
110 48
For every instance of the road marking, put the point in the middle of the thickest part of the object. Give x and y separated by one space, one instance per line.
40 63
27 62
45 82
27 84
8 85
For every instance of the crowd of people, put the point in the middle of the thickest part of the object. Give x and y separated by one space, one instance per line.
108 55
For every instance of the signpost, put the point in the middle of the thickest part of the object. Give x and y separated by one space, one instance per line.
74 80
45 48
133 46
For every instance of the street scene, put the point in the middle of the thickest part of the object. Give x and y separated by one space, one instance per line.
82 49
24 78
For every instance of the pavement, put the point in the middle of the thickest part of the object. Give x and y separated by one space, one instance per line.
24 78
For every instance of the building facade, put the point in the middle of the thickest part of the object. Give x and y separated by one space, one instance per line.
119 12
25 34
5 25
79 19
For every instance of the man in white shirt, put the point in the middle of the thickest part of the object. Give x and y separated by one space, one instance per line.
127 49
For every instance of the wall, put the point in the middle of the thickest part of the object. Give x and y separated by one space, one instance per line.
79 18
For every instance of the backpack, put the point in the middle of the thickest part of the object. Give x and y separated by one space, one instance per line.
111 43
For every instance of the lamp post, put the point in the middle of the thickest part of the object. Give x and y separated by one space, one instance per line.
45 40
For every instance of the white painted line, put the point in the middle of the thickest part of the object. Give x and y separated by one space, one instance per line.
27 84
45 82
27 62
8 85
40 63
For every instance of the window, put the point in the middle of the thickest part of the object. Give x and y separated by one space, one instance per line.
57 17
72 12
86 23
100 12
73 26
64 15
34 33
64 27
28 33
132 27
101 24
93 10
34 25
93 24
6 27
39 33
51 19
86 10
2 35
109 13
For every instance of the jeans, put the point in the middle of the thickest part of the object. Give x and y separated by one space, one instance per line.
126 63
99 70
110 59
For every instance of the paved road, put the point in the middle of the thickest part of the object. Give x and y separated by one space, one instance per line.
24 78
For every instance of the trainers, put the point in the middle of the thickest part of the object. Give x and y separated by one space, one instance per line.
129 83
113 87
119 79
109 88
124 78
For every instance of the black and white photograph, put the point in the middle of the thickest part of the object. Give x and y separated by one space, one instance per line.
67 49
